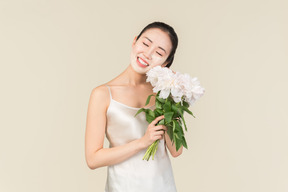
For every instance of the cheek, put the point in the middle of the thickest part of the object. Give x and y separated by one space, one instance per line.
157 61
136 50
138 47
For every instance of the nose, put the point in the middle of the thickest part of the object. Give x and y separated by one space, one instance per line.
148 53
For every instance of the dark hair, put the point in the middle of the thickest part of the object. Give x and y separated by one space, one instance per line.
172 34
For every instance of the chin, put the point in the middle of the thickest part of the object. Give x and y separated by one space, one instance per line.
138 69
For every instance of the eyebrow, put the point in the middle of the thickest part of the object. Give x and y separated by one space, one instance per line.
152 42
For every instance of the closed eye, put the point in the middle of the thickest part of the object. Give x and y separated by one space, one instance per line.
145 44
159 54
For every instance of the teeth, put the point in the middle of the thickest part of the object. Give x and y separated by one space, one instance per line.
142 62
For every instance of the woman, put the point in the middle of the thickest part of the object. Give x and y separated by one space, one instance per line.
111 111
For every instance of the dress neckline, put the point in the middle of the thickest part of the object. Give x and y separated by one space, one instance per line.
136 108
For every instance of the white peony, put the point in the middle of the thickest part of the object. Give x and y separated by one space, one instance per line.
193 90
177 90
161 79
153 74
180 86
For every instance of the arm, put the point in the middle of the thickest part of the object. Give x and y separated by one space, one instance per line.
172 148
97 156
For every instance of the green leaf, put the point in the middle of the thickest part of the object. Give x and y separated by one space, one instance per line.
174 107
158 104
148 99
161 122
149 118
150 112
188 111
170 133
179 121
177 108
169 126
139 111
179 135
178 144
185 104
167 106
174 125
184 142
160 99
158 112
182 117
176 136
178 129
168 116
175 129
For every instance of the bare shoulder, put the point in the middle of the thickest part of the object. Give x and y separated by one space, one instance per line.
100 96
100 91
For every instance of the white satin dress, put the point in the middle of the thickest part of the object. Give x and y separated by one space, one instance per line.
135 174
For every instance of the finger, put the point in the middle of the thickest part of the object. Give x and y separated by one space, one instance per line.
157 119
160 127
158 137
159 133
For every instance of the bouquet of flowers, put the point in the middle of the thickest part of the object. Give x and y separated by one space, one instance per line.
176 92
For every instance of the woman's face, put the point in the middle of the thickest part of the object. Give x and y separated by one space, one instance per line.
150 50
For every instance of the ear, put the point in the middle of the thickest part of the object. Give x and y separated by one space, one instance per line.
134 41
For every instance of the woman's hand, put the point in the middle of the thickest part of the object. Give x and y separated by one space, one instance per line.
154 132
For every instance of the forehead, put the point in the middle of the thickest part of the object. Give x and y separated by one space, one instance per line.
158 37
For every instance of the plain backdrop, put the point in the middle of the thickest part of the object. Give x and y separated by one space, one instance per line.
53 53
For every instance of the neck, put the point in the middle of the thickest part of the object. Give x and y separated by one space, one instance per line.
131 77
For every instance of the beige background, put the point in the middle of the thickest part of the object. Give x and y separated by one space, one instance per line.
53 53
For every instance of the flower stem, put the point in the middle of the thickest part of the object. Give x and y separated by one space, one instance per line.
151 150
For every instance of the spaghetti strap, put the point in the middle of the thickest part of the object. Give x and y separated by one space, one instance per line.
109 92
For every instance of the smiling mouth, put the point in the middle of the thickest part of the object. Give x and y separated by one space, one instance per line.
142 62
